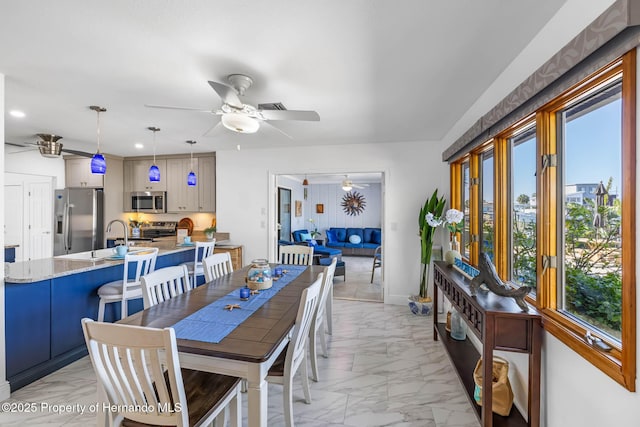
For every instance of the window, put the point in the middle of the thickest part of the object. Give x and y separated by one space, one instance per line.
552 200
523 207
466 209
487 206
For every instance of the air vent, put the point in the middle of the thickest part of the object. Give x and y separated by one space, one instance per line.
272 106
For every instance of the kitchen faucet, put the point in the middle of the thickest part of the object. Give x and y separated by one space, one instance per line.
126 230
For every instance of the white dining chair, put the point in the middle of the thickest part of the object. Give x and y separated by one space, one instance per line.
136 265
203 250
319 320
377 261
138 367
294 355
164 284
217 265
296 254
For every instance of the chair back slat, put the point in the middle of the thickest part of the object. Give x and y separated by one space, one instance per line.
217 265
296 254
142 263
164 284
203 250
138 367
306 310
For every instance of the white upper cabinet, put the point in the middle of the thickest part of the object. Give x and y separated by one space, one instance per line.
78 174
180 196
136 175
207 184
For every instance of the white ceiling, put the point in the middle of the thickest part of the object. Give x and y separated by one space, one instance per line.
375 70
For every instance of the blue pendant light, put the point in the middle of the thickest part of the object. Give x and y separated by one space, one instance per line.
98 163
154 171
191 177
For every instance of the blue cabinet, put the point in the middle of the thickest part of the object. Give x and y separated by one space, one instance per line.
42 329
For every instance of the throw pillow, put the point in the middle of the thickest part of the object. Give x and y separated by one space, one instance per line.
355 239
331 236
376 237
305 236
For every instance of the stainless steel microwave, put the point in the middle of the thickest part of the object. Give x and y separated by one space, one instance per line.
147 201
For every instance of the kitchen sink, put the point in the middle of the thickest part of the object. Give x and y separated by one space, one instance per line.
97 255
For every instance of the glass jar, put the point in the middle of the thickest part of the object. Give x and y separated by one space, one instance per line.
259 275
458 327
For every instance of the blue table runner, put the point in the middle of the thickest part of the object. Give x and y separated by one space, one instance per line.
212 323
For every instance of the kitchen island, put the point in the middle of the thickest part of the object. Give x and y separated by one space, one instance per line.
45 300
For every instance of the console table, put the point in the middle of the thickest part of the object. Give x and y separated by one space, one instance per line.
499 324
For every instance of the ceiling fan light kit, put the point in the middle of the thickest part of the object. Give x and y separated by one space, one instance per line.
49 145
98 163
240 123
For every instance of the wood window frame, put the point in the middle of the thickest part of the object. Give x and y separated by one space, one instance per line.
620 362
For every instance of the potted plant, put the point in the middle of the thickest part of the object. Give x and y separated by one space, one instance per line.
209 232
433 207
314 233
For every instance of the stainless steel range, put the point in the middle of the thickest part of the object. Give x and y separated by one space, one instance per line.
158 229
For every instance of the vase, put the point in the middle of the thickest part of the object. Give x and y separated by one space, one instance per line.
209 236
259 275
454 251
458 327
135 232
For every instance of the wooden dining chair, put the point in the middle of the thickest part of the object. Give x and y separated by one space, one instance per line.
138 367
203 250
319 320
377 261
294 355
165 283
296 254
136 265
217 265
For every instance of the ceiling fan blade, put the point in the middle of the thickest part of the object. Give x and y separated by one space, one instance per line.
212 129
77 153
227 93
279 130
311 116
169 107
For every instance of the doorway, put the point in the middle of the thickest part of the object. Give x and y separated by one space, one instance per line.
284 213
321 196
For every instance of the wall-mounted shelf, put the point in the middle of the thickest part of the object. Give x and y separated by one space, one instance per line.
499 324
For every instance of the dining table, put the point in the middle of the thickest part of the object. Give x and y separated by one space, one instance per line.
250 349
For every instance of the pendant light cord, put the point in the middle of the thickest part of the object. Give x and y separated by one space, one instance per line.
98 128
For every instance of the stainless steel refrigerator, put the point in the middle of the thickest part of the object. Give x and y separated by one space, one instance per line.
79 220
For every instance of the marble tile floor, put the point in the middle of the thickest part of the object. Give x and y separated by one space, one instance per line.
384 369
357 285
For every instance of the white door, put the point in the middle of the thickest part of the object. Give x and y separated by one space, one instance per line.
40 220
13 218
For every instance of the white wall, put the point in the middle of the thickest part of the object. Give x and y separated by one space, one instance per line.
4 385
574 393
246 200
330 195
27 161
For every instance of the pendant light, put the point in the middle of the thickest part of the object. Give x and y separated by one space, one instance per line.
191 177
154 171
98 163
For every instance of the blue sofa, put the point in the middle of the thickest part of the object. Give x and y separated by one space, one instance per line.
318 249
354 241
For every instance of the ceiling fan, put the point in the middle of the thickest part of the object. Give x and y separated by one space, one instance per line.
245 118
49 146
348 185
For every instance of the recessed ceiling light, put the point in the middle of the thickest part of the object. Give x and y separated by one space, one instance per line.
17 113
138 145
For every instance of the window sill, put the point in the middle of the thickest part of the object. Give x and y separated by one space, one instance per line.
609 363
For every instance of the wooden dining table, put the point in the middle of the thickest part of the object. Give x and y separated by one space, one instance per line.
250 349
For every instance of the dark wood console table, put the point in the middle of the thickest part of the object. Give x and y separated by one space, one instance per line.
499 324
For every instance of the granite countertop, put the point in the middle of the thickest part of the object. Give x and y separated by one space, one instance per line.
49 268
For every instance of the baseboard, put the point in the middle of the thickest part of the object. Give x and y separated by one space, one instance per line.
35 373
5 390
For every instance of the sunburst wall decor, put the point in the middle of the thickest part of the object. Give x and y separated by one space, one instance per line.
353 203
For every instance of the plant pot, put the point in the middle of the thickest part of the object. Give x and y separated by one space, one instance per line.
419 306
135 232
209 236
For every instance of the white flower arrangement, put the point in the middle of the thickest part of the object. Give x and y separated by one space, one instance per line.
453 219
